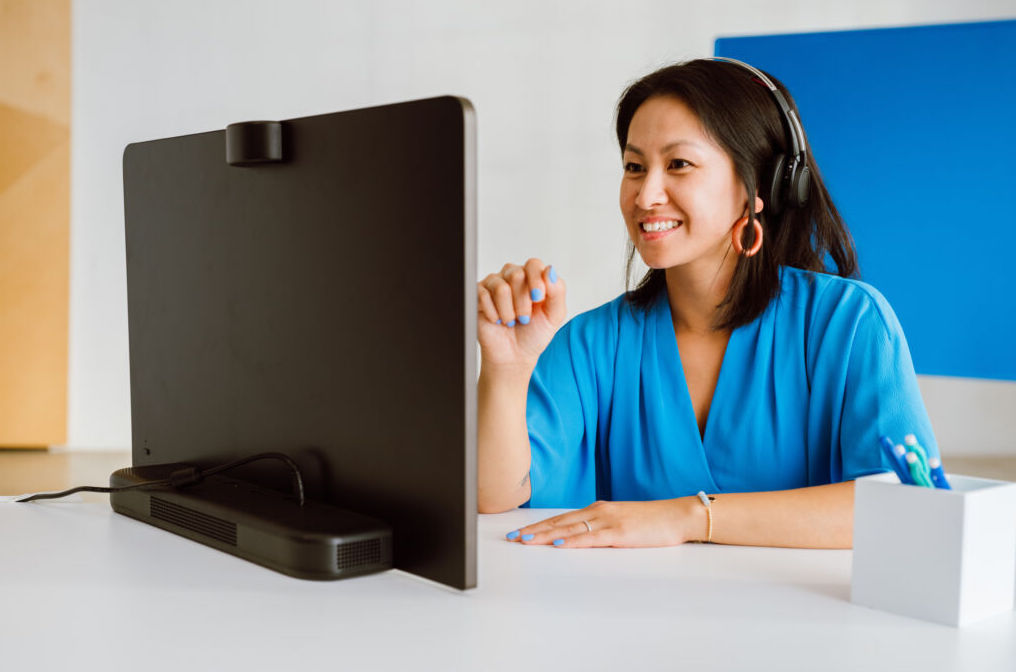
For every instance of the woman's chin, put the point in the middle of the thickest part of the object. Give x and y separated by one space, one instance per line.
657 262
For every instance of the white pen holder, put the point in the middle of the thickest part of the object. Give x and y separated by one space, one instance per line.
947 556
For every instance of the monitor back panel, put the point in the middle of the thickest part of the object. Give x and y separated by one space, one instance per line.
322 306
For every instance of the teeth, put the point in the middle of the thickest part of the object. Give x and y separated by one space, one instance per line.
659 226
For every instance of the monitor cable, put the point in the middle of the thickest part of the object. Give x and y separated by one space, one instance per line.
184 477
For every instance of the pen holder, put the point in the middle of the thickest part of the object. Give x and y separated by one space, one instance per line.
947 556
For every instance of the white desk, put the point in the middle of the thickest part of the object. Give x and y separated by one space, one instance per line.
82 588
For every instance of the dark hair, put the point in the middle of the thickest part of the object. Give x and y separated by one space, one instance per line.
741 115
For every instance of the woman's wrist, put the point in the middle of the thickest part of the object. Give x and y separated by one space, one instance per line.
696 519
513 374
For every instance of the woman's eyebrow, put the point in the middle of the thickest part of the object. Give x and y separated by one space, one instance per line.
663 150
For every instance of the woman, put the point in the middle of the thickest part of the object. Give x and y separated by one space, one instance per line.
738 367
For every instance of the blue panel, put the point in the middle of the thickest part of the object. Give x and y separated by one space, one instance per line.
914 130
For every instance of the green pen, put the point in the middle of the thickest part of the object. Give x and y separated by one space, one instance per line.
912 445
935 473
919 472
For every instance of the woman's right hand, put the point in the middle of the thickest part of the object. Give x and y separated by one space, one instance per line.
519 310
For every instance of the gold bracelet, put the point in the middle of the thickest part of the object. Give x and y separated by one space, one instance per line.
707 502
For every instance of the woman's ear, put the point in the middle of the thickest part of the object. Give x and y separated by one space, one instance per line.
759 204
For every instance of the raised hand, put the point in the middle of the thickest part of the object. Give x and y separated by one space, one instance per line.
519 310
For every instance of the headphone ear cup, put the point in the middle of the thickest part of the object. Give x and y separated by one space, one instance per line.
776 187
799 187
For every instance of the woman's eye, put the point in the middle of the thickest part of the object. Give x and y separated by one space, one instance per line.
677 164
632 167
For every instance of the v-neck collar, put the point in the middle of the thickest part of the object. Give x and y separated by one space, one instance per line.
670 356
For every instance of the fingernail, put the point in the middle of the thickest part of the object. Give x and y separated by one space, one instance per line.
511 323
498 322
536 294
553 274
528 537
558 542
523 319
513 534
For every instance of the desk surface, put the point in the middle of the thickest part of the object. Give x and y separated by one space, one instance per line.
84 588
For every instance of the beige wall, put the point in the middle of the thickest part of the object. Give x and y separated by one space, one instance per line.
34 220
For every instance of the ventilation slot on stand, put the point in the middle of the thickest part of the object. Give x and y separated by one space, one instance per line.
359 553
202 523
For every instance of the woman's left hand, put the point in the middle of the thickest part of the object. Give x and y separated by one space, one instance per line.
666 522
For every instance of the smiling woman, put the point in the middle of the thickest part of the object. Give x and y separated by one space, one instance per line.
737 391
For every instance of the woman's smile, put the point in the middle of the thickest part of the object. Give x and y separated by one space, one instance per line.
657 225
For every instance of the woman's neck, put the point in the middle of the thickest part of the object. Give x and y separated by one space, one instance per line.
695 292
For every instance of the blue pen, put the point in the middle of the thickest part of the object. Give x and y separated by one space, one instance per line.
895 460
938 474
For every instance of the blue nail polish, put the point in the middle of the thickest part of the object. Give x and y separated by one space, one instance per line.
553 274
498 322
558 542
523 319
511 535
511 323
528 537
537 295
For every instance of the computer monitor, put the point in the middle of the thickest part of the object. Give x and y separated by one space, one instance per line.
308 287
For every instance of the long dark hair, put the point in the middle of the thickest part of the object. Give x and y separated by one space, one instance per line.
740 114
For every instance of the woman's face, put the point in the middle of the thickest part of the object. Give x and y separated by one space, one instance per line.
680 194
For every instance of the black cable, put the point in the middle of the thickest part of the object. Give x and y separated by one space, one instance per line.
89 488
93 488
184 477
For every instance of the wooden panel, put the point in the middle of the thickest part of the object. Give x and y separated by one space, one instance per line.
34 220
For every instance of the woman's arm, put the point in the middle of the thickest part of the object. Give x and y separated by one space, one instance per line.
821 516
502 441
519 310
814 517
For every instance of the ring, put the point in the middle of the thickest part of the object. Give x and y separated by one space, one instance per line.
589 528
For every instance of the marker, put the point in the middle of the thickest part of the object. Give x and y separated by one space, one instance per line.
918 472
896 461
938 474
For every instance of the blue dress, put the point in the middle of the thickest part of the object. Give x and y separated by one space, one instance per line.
804 392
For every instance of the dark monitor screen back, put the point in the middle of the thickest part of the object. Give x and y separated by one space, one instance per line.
322 306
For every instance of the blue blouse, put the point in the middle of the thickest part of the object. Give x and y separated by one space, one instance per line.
804 392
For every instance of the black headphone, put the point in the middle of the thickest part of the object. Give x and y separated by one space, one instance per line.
791 179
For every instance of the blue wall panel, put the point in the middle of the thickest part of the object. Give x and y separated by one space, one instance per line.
914 131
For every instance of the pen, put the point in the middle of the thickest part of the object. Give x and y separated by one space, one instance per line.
934 469
896 460
938 474
918 471
901 454
912 445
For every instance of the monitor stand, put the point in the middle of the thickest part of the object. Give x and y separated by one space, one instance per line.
313 541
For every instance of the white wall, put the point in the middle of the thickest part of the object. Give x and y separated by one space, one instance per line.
543 74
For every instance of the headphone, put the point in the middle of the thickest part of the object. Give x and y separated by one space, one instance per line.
791 178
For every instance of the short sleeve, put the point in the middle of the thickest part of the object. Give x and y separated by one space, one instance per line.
880 394
563 409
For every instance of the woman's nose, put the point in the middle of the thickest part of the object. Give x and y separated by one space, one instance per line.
652 194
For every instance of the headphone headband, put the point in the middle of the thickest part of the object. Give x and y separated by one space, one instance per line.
791 180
